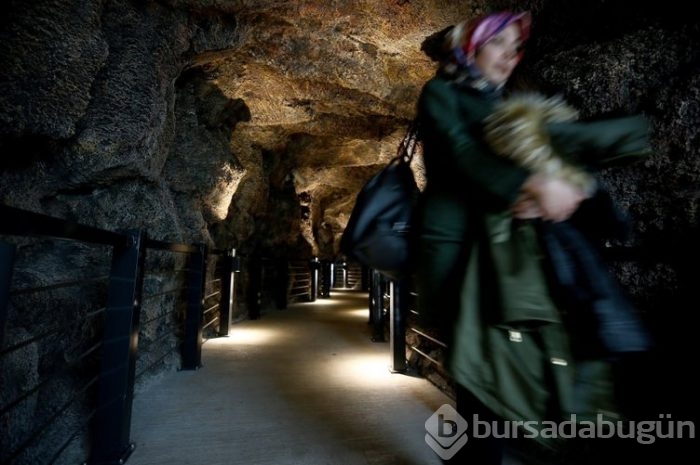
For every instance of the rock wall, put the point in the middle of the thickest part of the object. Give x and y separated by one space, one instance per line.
253 124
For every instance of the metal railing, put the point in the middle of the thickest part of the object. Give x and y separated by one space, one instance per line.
92 357
390 304
303 281
393 311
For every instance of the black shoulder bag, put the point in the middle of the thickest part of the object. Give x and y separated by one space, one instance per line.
378 232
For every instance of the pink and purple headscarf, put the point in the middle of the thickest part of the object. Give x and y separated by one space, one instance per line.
484 28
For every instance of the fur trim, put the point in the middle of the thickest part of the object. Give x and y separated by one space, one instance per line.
517 130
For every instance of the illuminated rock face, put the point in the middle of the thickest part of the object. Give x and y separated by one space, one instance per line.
247 124
254 124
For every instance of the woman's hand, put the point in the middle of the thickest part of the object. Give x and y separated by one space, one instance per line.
526 208
549 198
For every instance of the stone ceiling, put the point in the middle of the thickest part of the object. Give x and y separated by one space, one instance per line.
330 88
253 124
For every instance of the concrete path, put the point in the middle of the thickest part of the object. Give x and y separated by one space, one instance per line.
301 386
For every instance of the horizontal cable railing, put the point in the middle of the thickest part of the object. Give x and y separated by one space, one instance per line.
18 222
301 278
134 303
393 310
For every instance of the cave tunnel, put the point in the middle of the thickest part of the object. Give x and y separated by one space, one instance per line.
197 161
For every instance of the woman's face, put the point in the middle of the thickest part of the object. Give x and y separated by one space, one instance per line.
497 58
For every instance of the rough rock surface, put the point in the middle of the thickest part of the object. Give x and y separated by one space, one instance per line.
252 124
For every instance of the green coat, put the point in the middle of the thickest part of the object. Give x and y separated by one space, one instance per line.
479 273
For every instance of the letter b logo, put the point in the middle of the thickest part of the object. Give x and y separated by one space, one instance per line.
451 427
447 432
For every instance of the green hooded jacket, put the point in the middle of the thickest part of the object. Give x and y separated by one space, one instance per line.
479 272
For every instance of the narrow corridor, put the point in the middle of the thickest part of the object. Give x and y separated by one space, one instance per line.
304 385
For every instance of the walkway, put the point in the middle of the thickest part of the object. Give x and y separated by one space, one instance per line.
301 386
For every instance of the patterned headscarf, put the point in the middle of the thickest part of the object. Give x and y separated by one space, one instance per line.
466 38
483 29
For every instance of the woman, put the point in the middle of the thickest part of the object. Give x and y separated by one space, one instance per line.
481 277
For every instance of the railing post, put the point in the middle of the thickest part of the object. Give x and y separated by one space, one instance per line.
228 292
326 278
281 283
313 292
365 278
192 344
376 316
398 292
235 269
254 293
7 260
120 343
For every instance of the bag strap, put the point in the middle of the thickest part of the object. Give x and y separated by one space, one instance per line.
407 147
